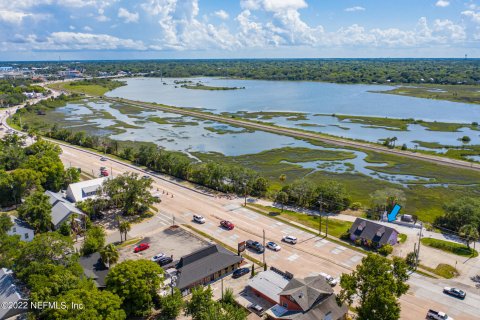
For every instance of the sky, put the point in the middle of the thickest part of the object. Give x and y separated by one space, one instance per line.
172 29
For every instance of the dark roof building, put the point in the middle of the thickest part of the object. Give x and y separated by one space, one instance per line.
367 230
94 268
205 265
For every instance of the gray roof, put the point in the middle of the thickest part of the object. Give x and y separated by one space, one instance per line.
62 209
307 291
270 283
370 230
20 223
9 293
89 189
203 263
94 268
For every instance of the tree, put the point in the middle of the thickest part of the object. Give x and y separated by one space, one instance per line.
386 199
334 196
282 198
469 232
171 305
94 240
199 303
228 297
72 175
136 282
37 211
460 212
222 311
109 254
411 260
377 283
5 223
124 227
282 178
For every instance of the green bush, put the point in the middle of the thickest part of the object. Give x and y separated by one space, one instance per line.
385 250
345 236
356 206
358 242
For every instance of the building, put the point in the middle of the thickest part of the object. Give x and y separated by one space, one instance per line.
63 210
369 231
10 293
83 190
205 265
21 228
95 269
309 298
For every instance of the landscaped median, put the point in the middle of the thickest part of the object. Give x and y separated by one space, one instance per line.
450 247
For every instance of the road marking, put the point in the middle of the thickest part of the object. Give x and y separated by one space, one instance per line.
336 251
234 237
341 248
319 244
279 223
356 258
293 257
164 220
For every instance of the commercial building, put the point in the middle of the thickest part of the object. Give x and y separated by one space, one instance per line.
369 231
63 210
83 190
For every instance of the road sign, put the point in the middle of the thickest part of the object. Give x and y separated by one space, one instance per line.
241 247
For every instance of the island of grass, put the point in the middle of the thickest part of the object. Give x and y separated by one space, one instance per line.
456 93
450 247
93 87
201 86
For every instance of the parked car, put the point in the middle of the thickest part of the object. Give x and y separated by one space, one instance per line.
457 293
158 257
273 246
141 247
240 272
104 173
198 219
227 224
103 159
145 177
164 261
331 280
256 307
437 315
255 245
290 239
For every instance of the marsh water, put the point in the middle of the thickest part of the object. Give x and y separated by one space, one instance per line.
314 98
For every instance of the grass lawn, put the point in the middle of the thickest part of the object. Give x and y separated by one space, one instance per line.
336 227
443 270
450 247
402 238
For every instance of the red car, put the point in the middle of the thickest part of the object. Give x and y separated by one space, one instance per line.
227 224
141 247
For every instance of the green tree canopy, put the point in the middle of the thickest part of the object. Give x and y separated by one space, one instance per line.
200 302
37 211
109 254
171 305
460 212
469 232
377 284
94 240
136 282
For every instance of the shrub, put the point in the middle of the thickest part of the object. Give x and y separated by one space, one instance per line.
358 242
385 250
356 206
345 236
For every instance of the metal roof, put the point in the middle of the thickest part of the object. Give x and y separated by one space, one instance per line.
269 283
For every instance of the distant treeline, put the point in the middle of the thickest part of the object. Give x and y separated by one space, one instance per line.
103 82
11 91
445 71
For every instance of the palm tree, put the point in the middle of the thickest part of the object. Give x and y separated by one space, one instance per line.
124 228
109 255
469 232
283 177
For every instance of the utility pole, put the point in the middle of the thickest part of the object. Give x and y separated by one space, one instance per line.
419 241
326 228
222 288
320 205
264 247
173 220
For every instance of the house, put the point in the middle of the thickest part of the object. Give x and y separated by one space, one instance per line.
63 210
205 265
83 190
369 231
10 293
310 298
21 228
95 269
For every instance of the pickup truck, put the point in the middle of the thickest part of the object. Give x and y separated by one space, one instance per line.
437 315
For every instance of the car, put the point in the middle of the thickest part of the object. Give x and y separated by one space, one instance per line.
198 218
227 224
255 245
103 159
331 280
255 307
145 177
158 257
457 293
240 272
273 246
104 173
164 261
141 247
437 315
290 239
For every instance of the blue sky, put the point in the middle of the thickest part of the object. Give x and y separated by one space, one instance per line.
136 29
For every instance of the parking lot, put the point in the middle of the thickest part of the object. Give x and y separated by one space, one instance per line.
172 242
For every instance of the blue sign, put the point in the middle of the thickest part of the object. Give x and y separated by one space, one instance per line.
392 216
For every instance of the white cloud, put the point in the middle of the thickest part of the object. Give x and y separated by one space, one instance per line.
442 3
222 14
356 8
88 29
128 16
475 16
13 17
86 41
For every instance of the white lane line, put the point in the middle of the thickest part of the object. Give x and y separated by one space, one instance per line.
293 257
336 251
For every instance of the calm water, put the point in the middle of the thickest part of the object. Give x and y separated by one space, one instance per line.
316 98
197 138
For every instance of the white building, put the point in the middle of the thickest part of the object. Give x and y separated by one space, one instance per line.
63 210
10 294
22 229
83 190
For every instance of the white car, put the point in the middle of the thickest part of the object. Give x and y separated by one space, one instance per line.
199 219
331 280
256 308
158 257
273 246
290 239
